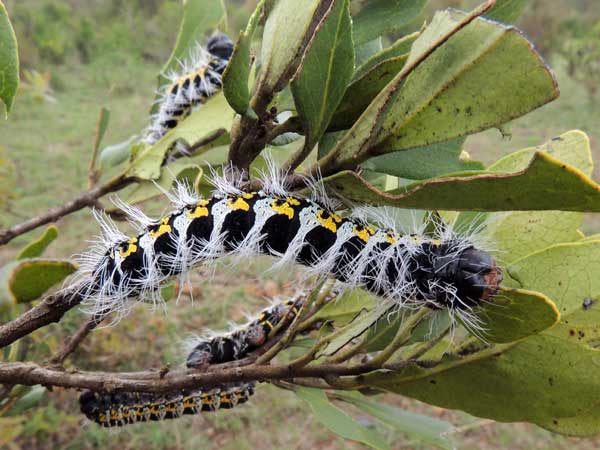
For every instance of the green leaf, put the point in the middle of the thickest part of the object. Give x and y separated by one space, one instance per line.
516 314
546 184
563 272
354 329
507 11
288 31
384 330
365 51
213 116
199 16
37 247
538 230
113 155
378 17
9 61
415 426
462 76
183 169
32 397
326 70
361 92
338 421
349 304
399 48
101 128
425 162
237 73
28 279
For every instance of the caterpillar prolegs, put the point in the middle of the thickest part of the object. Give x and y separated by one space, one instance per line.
119 409
407 270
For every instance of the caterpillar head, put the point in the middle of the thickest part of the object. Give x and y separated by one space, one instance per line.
463 278
89 404
220 46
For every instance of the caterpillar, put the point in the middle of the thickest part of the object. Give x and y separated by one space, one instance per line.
244 340
360 250
198 80
119 409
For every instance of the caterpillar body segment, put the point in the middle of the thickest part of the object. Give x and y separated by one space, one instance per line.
198 80
119 409
242 341
408 270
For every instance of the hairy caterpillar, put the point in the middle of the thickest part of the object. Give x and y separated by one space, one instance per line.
122 409
119 409
241 341
408 270
244 340
199 79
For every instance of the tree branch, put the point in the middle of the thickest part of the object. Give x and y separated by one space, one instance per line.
50 310
87 198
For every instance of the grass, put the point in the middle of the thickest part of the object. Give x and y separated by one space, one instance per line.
50 145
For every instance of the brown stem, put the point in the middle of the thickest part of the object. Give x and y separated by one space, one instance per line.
50 310
29 374
71 345
87 198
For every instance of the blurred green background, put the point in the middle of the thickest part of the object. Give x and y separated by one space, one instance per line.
78 56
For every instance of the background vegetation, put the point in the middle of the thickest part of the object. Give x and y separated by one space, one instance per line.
79 56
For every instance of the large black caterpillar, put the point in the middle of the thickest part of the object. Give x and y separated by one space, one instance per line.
198 80
408 270
119 409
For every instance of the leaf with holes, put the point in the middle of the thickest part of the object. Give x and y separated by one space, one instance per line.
545 184
464 74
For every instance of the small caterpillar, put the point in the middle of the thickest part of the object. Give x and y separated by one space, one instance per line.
119 409
240 342
408 270
199 79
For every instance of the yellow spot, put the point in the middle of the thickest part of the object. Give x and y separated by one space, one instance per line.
330 222
267 322
390 237
292 201
238 204
163 228
200 210
102 418
131 248
362 233
248 195
284 208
